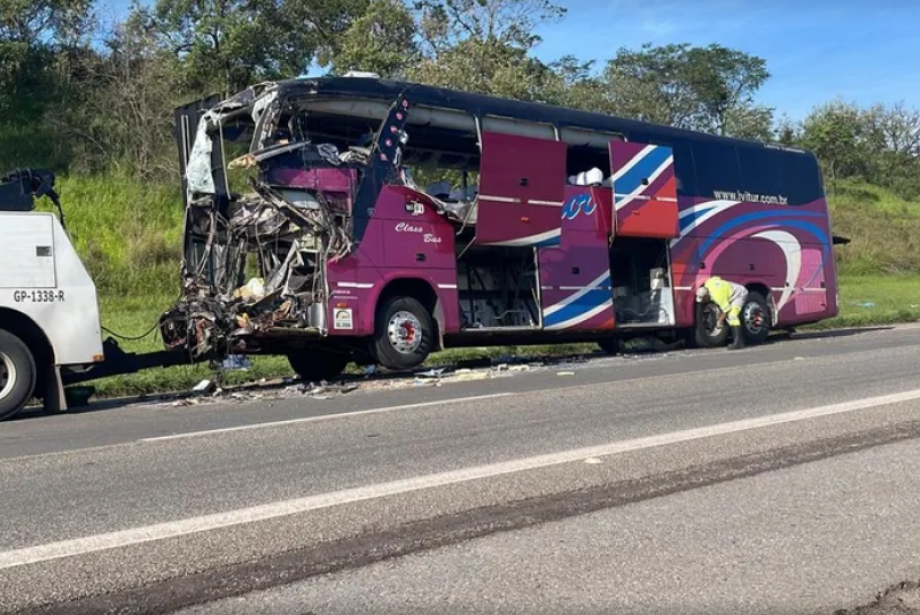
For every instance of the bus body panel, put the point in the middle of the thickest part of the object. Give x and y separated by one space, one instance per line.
405 239
644 190
575 275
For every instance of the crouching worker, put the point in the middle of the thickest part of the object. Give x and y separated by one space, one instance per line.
730 298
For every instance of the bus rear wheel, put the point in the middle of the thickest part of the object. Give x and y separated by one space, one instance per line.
17 375
316 365
404 334
755 318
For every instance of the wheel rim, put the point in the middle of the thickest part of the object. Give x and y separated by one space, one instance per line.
405 332
7 375
710 320
753 318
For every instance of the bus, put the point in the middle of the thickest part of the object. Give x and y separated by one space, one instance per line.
342 219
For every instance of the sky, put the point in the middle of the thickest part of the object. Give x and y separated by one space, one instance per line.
861 51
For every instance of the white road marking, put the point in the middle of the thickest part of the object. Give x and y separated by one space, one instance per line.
161 531
322 417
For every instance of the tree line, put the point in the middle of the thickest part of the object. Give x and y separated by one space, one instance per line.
84 94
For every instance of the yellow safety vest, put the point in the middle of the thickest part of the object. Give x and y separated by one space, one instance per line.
720 292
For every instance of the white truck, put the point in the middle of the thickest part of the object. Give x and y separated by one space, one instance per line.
50 331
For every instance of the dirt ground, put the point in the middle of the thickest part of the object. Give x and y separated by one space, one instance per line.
903 599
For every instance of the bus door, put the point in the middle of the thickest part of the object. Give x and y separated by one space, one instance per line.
521 190
645 220
575 275
644 187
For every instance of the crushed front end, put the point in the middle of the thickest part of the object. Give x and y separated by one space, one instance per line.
269 203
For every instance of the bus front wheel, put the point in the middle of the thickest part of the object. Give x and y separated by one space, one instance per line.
404 334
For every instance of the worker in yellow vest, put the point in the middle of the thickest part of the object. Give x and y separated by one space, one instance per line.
730 298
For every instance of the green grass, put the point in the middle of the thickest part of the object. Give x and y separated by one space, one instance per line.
884 229
129 235
876 300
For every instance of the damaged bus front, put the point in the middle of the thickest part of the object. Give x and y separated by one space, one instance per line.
272 201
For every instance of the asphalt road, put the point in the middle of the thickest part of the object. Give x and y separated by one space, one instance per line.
778 479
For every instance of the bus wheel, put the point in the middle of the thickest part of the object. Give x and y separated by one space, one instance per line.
17 375
755 318
404 334
315 365
707 333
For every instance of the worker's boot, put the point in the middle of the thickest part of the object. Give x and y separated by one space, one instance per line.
737 339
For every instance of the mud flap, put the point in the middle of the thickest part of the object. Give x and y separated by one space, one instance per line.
54 400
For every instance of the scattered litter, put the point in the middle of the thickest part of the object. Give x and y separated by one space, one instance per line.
470 375
867 304
502 367
799 359
204 387
237 362
519 368
370 370
565 373
431 373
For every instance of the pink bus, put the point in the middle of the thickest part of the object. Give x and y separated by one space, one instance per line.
356 219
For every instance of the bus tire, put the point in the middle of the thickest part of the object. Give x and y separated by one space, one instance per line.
755 308
404 334
704 333
316 365
17 375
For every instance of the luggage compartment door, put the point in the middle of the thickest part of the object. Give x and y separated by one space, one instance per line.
645 194
522 188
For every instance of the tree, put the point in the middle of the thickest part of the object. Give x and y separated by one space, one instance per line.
381 41
229 44
570 82
40 42
710 89
482 45
836 132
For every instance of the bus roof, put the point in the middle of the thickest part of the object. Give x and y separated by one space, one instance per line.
480 104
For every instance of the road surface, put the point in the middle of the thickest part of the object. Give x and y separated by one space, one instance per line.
782 478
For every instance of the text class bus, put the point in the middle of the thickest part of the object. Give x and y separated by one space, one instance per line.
357 219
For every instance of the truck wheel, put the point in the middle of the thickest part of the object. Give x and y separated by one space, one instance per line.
755 318
706 333
315 365
17 375
404 334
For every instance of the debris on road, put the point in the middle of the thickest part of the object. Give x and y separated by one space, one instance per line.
204 387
